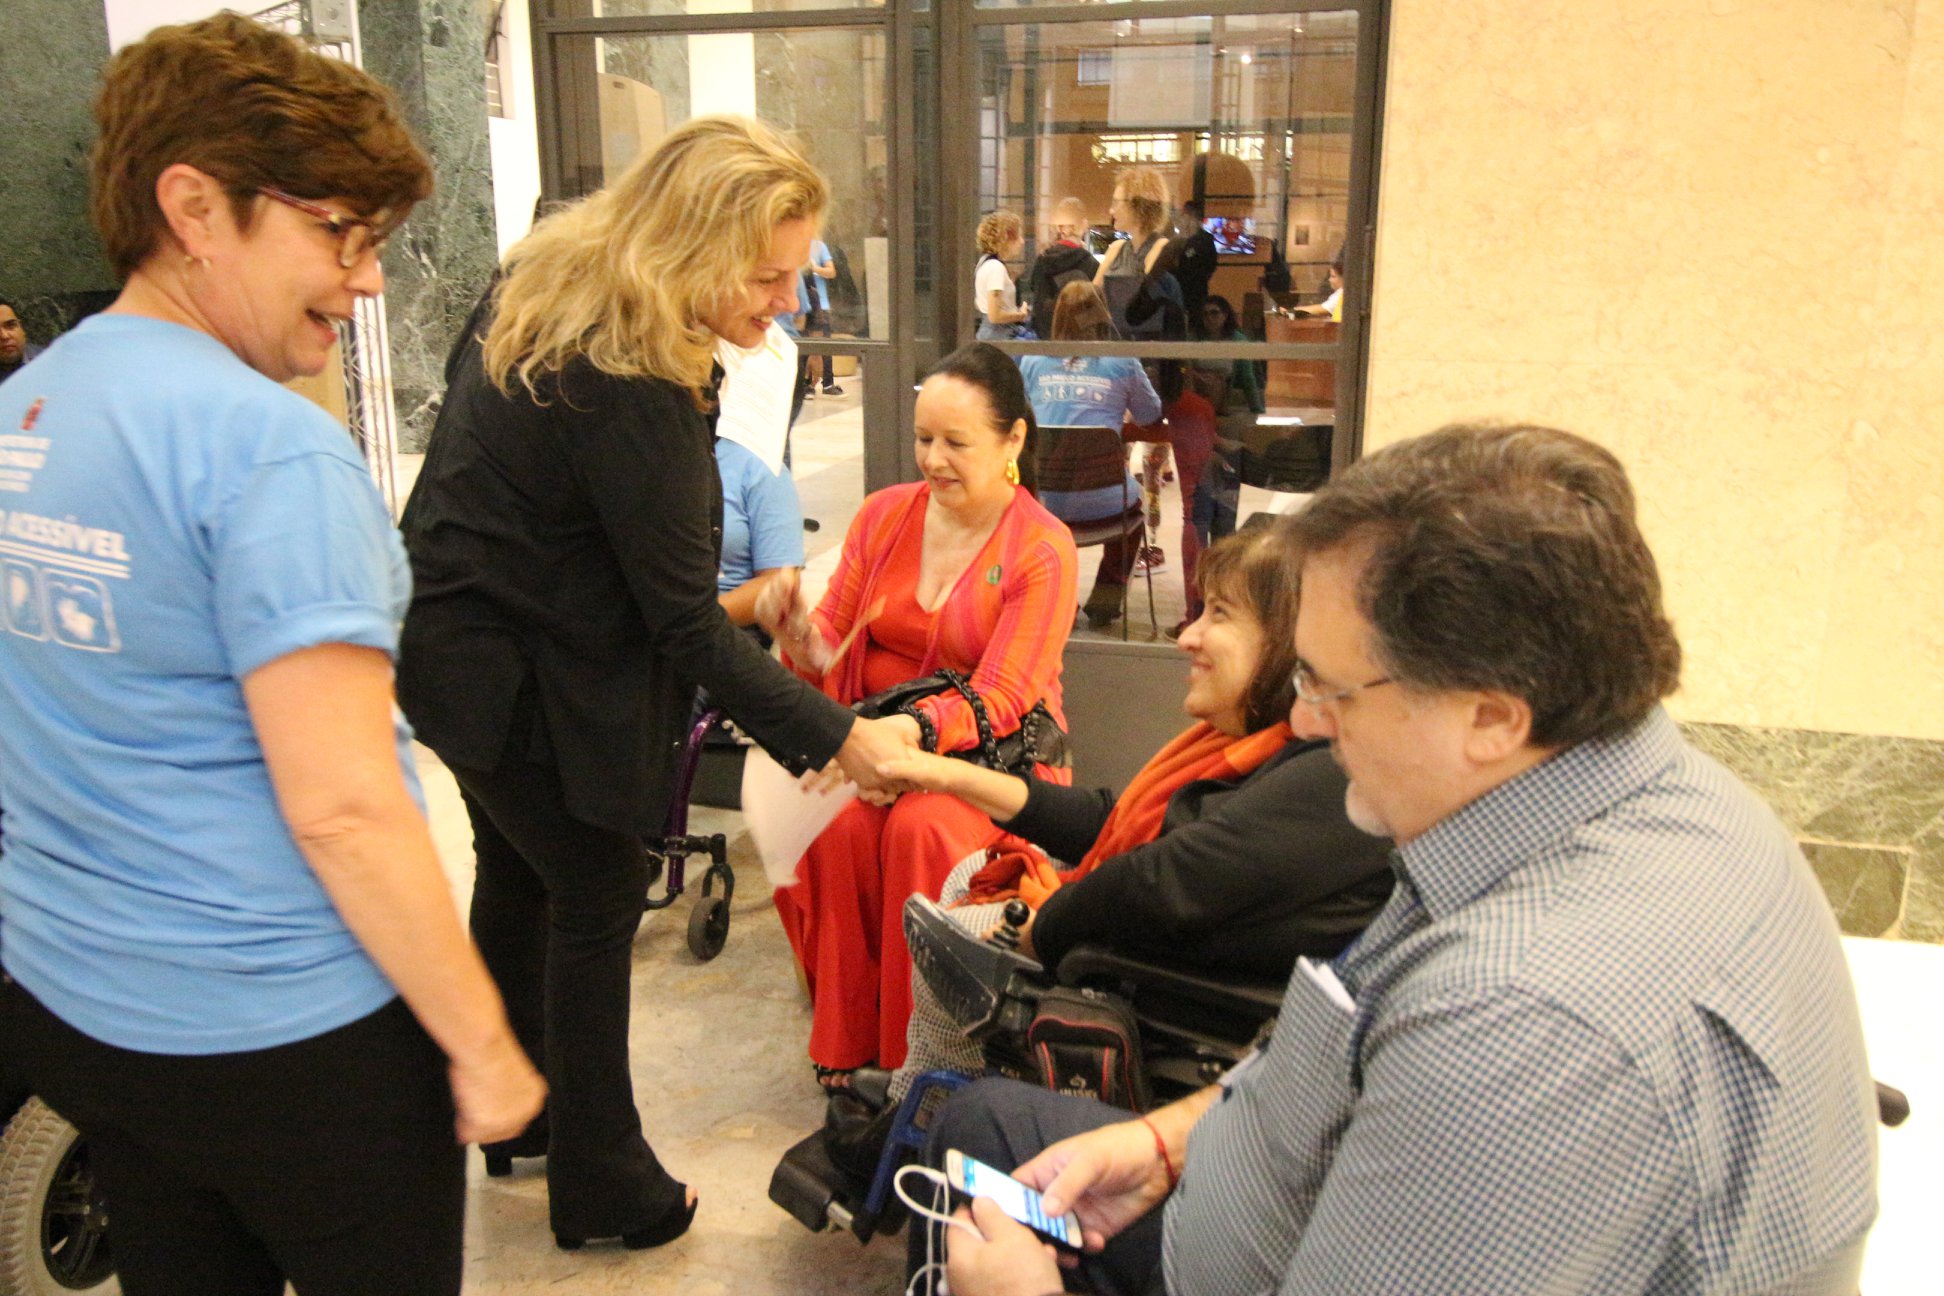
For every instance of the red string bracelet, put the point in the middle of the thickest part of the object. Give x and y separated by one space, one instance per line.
1161 1146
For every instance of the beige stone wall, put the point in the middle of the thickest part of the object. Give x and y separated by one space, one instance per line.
1709 234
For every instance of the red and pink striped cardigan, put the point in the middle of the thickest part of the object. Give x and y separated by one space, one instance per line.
1006 620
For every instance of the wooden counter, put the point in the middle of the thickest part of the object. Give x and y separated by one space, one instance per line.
1301 383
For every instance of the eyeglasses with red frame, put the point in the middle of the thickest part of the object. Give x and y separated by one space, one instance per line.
355 235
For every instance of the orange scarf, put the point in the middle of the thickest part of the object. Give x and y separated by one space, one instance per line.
1199 752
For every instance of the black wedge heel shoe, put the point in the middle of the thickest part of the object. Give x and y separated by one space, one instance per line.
532 1142
670 1226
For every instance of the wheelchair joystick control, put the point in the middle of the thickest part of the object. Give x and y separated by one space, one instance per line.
1006 936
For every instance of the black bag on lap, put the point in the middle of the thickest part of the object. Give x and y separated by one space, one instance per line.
1039 740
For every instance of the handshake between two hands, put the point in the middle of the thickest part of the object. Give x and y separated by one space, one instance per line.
882 757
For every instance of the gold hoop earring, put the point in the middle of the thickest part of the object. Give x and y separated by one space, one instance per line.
1012 471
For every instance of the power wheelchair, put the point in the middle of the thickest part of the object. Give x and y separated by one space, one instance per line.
1188 1030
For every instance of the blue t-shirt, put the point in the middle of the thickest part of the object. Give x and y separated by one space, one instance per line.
762 521
819 255
1088 391
171 520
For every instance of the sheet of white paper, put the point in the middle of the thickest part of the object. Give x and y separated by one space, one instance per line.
783 819
756 390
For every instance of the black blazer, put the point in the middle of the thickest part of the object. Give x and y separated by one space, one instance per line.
564 555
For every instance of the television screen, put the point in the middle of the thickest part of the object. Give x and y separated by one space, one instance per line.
1234 235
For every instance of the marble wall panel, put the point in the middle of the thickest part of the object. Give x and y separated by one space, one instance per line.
432 54
1708 236
1868 809
1865 884
50 261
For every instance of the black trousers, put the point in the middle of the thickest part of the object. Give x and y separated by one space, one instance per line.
330 1162
1006 1123
555 906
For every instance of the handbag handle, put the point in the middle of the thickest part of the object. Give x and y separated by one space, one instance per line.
988 744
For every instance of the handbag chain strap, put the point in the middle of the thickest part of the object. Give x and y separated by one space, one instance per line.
1029 728
987 742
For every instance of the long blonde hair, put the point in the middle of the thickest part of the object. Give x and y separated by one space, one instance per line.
624 275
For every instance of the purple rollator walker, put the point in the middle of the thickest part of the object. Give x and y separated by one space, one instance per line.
708 924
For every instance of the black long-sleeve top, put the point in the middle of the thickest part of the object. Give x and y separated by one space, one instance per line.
564 555
1244 876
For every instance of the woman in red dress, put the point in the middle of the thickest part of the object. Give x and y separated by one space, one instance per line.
962 570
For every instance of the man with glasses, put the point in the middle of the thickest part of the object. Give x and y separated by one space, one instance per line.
1602 1038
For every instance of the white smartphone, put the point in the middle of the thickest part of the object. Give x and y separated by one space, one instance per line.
977 1179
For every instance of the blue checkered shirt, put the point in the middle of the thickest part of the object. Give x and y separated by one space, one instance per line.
1601 1040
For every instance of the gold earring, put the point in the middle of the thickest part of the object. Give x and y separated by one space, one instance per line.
1012 471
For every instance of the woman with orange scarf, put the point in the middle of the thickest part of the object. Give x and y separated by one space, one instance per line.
1229 853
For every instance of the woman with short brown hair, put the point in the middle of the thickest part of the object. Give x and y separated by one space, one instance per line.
233 960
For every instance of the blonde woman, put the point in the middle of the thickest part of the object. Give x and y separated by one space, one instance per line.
1135 275
563 537
1001 238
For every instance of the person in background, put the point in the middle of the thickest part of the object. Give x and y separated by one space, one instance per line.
762 529
963 570
1091 391
15 349
1198 259
1000 240
1601 1039
563 535
1331 307
762 519
1135 276
232 958
1063 261
1225 383
816 312
1188 425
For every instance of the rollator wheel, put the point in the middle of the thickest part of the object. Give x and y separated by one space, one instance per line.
708 927
53 1222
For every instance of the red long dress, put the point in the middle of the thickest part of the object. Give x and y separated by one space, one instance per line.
1005 623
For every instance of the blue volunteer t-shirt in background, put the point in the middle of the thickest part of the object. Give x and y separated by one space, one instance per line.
171 520
819 255
1089 391
762 520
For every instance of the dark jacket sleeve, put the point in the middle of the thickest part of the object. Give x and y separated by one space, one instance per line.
644 489
1062 821
1272 870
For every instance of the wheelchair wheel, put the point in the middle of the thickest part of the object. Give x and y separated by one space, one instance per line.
53 1222
708 926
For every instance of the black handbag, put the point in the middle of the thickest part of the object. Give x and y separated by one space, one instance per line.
1039 740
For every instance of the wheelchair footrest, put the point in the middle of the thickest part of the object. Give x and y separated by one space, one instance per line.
812 1190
